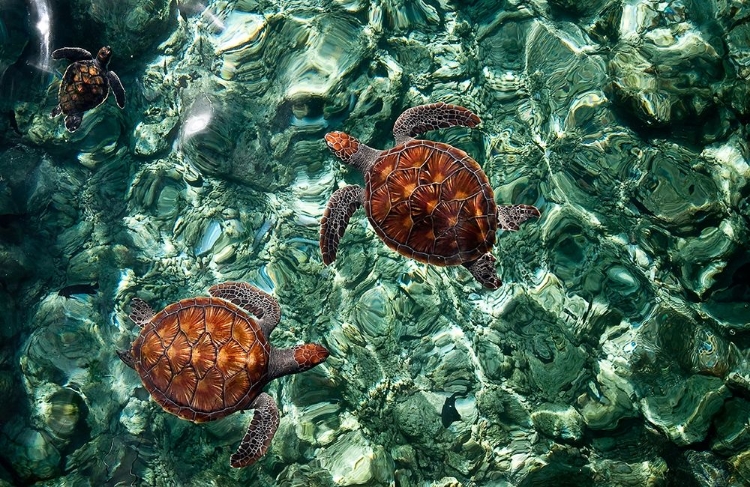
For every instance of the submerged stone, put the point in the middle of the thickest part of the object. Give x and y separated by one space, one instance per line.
556 421
685 411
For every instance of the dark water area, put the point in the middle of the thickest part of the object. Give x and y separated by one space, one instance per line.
615 353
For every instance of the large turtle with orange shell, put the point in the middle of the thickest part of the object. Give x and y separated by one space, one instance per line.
426 200
204 358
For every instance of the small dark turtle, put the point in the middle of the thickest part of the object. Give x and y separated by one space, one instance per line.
426 200
204 358
85 84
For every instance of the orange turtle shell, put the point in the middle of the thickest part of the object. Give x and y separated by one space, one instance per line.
431 202
84 86
202 358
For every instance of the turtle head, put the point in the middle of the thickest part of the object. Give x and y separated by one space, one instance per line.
343 145
309 355
104 54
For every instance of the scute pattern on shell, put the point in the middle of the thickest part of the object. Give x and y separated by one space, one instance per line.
431 202
202 358
84 87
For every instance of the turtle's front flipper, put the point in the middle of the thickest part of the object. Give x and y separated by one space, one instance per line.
73 121
55 111
483 270
117 89
510 217
71 54
260 432
343 203
251 299
421 119
140 312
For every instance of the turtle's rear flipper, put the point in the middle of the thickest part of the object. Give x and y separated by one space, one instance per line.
117 89
260 432
483 270
510 217
126 357
343 203
71 54
421 119
55 111
73 121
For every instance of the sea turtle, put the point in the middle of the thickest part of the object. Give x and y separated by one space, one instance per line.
203 358
426 200
85 84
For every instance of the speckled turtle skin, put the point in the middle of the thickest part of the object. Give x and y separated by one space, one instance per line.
426 200
204 358
85 84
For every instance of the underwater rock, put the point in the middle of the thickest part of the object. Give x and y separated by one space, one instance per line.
701 468
608 400
62 342
631 454
401 16
373 314
241 44
85 266
680 196
13 38
577 8
649 472
136 416
685 411
20 165
153 132
556 58
694 345
632 442
739 51
417 418
732 428
129 26
352 460
30 453
554 362
741 464
18 267
712 354
663 65
61 411
447 482
444 360
216 145
495 362
557 421
703 258
296 475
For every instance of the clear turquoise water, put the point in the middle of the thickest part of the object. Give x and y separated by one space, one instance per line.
615 353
